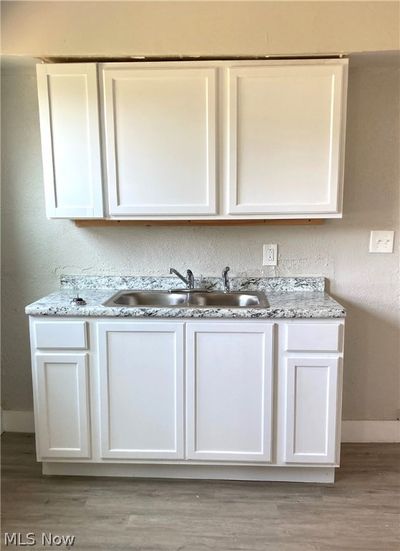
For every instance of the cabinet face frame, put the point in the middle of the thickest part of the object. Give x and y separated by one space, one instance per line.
111 73
264 455
332 405
337 69
79 362
90 105
103 329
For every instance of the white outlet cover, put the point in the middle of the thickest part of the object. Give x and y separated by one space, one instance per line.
270 254
381 241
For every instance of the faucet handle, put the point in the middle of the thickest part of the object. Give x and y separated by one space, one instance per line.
190 278
225 279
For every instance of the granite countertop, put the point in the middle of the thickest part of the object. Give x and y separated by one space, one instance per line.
294 297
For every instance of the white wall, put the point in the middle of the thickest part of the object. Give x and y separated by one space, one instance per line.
197 28
36 251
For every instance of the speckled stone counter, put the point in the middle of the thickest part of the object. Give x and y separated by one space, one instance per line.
293 297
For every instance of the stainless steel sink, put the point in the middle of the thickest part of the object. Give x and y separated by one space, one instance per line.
147 298
230 299
189 299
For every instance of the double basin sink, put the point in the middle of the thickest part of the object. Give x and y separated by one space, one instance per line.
189 299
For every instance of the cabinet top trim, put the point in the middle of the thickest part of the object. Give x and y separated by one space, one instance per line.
206 61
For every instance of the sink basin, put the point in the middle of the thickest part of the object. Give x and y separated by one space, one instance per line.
183 299
229 300
147 298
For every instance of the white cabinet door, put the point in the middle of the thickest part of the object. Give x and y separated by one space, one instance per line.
312 405
160 125
285 138
62 405
69 123
229 391
141 389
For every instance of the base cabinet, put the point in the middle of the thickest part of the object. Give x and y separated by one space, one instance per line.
213 396
62 405
229 391
311 409
141 390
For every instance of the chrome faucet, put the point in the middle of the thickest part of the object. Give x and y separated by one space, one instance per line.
188 281
225 280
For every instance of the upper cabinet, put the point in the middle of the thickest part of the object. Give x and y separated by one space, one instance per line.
284 139
199 139
69 124
160 127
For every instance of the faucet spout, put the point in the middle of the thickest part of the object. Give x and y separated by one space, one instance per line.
188 281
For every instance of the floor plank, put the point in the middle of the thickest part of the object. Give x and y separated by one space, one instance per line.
360 512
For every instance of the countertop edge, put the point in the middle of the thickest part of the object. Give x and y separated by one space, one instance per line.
206 313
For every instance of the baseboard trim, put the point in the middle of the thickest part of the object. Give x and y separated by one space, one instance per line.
18 421
352 431
370 431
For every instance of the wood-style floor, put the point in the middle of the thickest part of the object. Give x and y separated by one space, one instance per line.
360 512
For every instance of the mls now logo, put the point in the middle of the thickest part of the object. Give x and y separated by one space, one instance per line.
30 539
16 538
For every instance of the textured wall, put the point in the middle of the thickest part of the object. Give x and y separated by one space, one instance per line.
36 251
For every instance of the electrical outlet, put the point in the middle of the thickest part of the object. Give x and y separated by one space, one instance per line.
270 255
381 242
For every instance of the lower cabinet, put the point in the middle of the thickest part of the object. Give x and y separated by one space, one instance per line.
62 405
223 393
229 391
311 409
141 390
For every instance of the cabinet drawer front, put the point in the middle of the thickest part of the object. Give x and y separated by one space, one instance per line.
61 334
318 337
